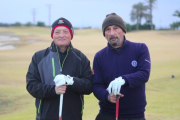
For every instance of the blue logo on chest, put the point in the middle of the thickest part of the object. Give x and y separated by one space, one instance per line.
134 63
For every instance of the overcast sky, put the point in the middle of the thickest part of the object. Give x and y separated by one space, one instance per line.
83 13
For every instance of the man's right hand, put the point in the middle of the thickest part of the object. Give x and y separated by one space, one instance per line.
60 89
115 86
60 81
113 98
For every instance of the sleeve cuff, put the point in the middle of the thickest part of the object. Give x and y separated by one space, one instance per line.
54 91
126 81
106 99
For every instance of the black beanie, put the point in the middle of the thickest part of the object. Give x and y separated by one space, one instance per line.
62 22
113 19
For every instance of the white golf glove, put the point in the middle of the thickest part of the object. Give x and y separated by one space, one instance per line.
63 80
115 85
69 80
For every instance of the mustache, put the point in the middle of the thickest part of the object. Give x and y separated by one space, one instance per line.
112 37
62 39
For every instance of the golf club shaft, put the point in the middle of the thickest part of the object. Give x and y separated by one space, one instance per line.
60 106
117 109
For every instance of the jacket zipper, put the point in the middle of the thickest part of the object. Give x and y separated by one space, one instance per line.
61 67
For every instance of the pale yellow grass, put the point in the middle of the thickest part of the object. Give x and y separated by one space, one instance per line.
162 90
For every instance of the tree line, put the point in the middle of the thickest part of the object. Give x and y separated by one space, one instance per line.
17 24
139 11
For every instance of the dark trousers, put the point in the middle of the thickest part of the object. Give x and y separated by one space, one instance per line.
101 116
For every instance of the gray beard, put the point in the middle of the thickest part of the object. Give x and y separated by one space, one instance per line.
114 44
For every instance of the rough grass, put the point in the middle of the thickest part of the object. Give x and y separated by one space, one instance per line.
162 91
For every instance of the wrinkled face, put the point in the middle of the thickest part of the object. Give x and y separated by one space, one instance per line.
62 36
115 36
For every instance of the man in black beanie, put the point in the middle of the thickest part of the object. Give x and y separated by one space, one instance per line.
59 70
120 71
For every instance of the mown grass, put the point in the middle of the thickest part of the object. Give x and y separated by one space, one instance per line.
162 91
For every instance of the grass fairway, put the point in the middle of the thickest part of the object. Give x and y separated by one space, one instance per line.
163 92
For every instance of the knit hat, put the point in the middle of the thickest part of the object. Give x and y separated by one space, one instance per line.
62 22
113 19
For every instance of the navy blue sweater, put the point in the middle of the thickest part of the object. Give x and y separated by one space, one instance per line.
132 62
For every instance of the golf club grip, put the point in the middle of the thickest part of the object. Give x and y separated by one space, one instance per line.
117 108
